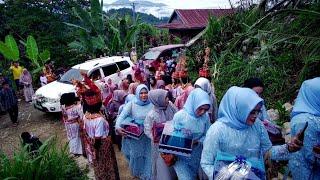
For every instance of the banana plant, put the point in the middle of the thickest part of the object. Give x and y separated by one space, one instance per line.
32 52
9 48
91 38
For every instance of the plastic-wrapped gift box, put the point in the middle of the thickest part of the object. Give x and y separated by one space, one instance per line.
175 141
133 130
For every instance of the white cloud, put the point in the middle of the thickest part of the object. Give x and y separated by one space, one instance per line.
195 4
178 4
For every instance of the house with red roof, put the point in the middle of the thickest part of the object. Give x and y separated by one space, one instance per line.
187 23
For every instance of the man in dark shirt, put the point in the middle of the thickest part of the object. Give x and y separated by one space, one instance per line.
9 102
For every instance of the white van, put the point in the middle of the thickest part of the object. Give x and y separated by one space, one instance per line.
47 98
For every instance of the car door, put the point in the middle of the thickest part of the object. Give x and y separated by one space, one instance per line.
96 76
125 68
110 71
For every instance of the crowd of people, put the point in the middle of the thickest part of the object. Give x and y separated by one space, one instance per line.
228 141
10 93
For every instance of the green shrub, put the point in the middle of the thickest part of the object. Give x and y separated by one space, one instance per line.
52 162
282 48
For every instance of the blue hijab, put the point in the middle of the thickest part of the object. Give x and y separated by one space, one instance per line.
236 105
308 100
137 99
196 98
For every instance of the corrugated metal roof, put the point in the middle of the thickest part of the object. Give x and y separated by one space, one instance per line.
194 18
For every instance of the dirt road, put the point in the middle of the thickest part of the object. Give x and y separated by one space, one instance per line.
42 125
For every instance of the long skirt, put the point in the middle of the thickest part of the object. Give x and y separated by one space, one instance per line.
140 157
104 161
187 168
160 171
28 93
73 133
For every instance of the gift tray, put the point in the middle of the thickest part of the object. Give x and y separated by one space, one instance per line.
133 130
173 144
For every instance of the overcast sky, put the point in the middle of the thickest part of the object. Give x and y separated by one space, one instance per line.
189 4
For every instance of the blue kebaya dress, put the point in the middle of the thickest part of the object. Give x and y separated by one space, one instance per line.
304 164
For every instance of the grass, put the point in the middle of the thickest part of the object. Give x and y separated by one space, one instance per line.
51 163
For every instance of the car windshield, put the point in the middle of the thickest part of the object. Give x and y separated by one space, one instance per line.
71 74
151 55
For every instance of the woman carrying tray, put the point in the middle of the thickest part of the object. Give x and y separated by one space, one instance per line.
163 110
139 149
236 143
192 121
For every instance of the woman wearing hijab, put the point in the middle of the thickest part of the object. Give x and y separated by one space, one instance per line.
186 89
257 85
237 137
107 90
124 143
163 110
26 81
132 88
139 150
304 164
118 98
160 84
205 85
193 118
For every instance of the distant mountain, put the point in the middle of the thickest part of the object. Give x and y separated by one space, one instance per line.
141 2
147 18
157 9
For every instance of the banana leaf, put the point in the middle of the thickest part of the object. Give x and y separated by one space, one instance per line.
12 45
32 49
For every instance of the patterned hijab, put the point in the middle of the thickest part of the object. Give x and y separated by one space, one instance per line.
137 99
158 99
308 99
236 106
197 98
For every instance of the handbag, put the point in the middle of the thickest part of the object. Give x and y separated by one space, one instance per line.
169 159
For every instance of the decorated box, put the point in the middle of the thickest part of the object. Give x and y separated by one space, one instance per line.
133 130
157 129
175 141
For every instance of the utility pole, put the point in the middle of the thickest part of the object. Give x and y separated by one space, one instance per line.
134 22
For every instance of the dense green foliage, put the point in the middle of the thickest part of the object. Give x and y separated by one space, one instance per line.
44 21
51 162
282 47
73 31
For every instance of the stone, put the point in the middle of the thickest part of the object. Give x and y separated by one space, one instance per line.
288 106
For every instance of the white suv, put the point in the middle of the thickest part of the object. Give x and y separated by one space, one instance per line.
47 98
